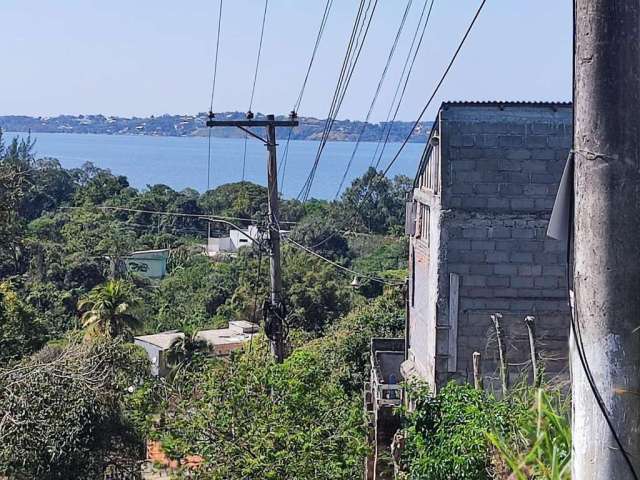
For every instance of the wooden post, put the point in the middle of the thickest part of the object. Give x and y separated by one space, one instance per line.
276 311
454 291
504 368
606 245
477 372
530 322
277 303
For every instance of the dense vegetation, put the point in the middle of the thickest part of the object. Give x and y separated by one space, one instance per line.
76 397
468 434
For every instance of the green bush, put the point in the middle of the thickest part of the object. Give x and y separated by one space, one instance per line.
447 432
63 411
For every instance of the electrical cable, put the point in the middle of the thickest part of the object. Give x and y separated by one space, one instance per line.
175 214
356 42
388 125
342 267
332 118
253 86
437 88
377 178
296 106
325 16
255 296
345 62
215 62
375 95
213 90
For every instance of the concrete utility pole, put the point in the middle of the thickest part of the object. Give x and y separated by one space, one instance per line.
607 237
276 311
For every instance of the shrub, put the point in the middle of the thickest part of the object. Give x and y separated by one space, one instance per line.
62 411
447 432
541 447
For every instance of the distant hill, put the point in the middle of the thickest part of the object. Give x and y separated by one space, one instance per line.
194 125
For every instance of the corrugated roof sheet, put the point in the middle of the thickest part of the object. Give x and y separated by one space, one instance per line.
506 103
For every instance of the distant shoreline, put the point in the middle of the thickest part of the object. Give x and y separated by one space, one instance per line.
194 126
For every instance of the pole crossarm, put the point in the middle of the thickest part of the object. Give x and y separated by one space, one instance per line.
252 123
254 135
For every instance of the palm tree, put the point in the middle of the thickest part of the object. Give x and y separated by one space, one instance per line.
110 309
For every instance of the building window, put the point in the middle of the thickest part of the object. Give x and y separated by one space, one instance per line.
429 177
423 223
413 277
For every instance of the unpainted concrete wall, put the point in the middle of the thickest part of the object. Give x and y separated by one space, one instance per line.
499 172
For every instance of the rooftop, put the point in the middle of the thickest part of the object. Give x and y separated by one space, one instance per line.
164 340
503 103
222 336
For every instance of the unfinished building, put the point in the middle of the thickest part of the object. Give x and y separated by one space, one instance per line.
477 222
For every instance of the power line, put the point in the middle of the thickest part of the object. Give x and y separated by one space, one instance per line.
437 88
341 267
377 178
389 124
253 86
375 95
325 16
298 102
356 42
213 90
215 62
174 214
255 74
331 119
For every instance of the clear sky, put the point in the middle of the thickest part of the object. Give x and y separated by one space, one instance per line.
141 57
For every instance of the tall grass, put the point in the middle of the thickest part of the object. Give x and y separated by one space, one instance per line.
540 447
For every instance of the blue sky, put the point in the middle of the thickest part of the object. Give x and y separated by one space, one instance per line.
155 56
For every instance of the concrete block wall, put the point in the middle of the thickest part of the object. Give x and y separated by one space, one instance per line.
503 158
499 173
506 264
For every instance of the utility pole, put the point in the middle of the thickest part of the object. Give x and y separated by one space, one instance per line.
607 237
274 327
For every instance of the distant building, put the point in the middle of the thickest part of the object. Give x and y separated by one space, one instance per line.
233 243
236 240
223 341
158 348
477 222
148 263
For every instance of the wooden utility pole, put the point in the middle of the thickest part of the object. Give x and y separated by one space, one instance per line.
276 311
607 238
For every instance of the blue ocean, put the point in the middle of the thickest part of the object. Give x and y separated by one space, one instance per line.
181 162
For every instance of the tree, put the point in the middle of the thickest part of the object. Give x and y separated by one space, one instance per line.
101 186
255 419
110 309
191 296
241 199
67 411
15 183
21 333
374 203
321 234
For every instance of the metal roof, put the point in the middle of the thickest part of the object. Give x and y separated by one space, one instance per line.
504 103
